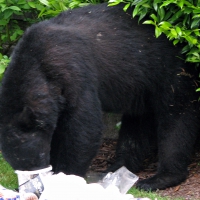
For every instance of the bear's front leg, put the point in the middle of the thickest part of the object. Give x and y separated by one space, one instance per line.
78 136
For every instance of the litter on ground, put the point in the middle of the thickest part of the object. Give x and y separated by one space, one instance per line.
43 185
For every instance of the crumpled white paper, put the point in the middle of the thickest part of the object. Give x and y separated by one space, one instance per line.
73 187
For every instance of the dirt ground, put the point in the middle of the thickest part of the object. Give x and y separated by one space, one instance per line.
188 190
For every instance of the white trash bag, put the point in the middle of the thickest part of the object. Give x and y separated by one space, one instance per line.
42 185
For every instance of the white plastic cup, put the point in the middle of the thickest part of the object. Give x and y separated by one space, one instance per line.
127 181
123 179
32 181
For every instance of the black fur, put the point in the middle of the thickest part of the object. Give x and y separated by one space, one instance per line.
66 70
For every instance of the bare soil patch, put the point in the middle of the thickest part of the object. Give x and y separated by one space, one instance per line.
188 190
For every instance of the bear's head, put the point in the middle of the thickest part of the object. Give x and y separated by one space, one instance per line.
26 139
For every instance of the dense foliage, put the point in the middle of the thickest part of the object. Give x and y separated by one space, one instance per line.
16 15
179 20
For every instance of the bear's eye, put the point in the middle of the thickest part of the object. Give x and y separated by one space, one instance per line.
25 127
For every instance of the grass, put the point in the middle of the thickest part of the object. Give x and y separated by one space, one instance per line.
8 179
151 195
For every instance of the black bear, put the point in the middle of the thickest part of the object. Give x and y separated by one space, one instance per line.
66 70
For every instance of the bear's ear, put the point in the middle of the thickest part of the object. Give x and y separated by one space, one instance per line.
27 118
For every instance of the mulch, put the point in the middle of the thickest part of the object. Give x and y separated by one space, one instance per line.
188 190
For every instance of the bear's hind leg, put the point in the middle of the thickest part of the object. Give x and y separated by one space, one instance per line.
176 138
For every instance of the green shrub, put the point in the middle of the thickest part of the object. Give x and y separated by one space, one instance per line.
16 15
179 20
54 7
4 60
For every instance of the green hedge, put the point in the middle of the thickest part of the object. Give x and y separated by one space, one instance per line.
16 15
179 20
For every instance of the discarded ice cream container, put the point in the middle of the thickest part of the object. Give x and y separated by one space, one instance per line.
32 181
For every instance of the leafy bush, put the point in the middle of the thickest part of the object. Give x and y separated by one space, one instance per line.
54 7
179 20
16 15
4 60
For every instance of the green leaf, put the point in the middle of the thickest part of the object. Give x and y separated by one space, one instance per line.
158 31
135 11
31 4
193 59
196 32
126 7
195 23
181 3
196 54
167 15
161 13
155 5
165 25
175 42
40 7
188 10
191 39
113 3
56 5
166 3
149 22
45 2
187 32
153 16
14 8
7 13
196 9
11 8
143 13
2 68
185 49
3 22
173 32
178 30
146 5
135 2
3 6
25 7
175 17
